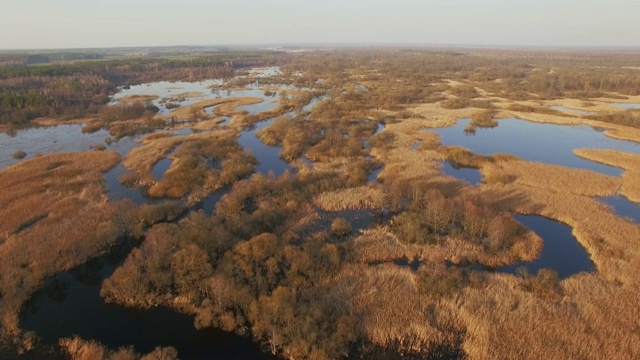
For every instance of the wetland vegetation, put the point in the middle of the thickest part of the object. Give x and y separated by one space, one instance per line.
365 203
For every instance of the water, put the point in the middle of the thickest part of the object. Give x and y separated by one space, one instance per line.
208 204
627 106
312 103
366 143
374 175
265 72
76 308
116 191
360 219
378 129
576 111
547 143
470 175
161 167
561 250
47 140
268 156
265 105
623 207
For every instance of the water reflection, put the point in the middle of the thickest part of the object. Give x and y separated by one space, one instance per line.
71 305
268 156
547 143
561 250
623 207
470 175
47 140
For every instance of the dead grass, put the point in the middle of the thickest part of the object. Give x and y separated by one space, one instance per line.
553 178
628 161
392 313
621 159
351 198
54 216
138 98
436 117
224 106
189 174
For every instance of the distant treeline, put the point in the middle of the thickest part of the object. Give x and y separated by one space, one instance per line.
78 89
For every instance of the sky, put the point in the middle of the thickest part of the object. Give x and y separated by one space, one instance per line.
53 24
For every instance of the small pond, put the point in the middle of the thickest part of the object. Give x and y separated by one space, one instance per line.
561 250
161 167
623 207
268 156
547 143
466 174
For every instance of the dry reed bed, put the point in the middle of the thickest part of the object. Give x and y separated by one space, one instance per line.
437 117
591 321
154 148
409 132
552 177
224 106
49 179
351 198
176 182
391 310
628 161
138 98
65 195
380 245
500 319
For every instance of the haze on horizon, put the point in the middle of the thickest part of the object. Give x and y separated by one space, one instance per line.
46 24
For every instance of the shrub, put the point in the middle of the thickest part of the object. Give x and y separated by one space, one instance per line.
341 227
19 155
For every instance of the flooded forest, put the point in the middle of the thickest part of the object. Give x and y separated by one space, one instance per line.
379 203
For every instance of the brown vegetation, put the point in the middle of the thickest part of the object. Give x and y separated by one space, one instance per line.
54 216
79 349
269 263
202 163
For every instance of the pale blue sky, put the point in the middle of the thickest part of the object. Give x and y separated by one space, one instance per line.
109 23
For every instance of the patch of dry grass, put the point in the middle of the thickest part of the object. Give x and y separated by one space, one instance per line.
552 178
189 173
138 98
351 198
392 312
224 106
628 161
54 216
